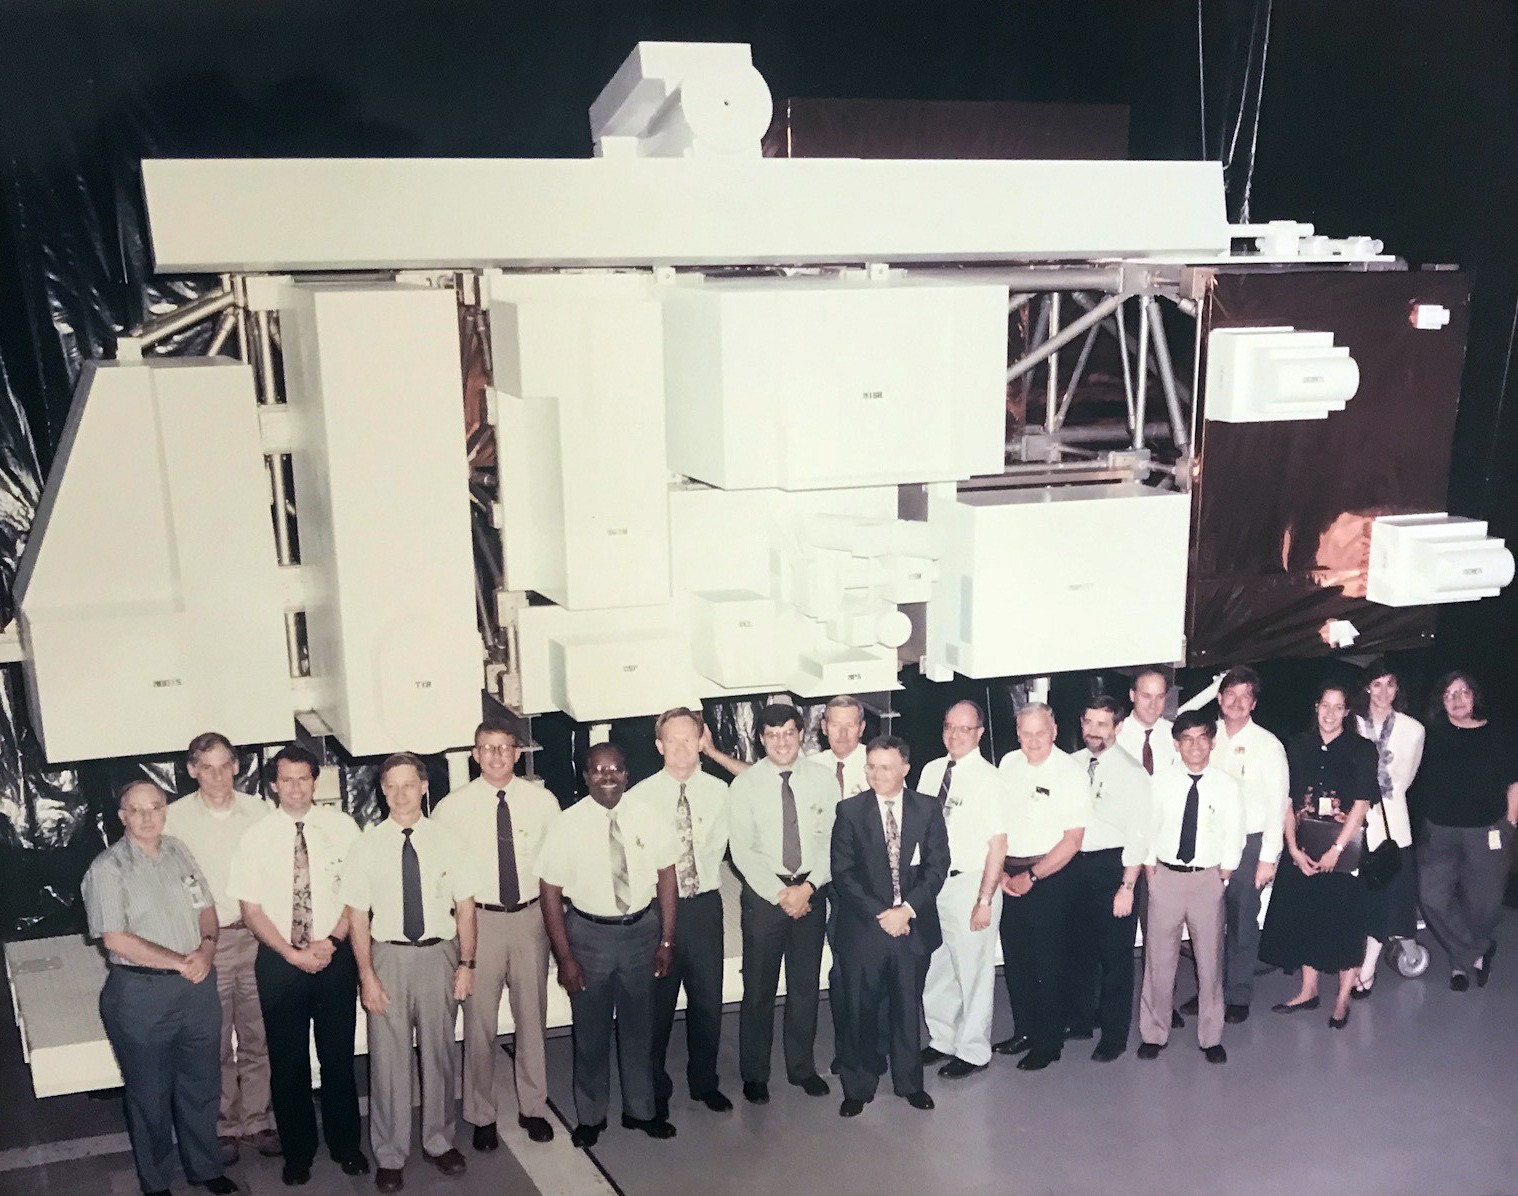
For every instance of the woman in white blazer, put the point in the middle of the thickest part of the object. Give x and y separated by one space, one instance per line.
1398 739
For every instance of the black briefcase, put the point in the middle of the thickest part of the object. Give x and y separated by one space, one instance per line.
1316 835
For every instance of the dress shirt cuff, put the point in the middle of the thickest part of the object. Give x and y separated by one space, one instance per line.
907 905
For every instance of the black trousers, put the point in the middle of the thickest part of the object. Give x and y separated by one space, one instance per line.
698 966
1100 994
296 1003
771 936
1034 946
882 988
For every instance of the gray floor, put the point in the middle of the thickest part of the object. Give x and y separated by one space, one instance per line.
1415 1097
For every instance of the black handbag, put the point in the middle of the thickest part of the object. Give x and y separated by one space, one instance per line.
1315 835
1380 867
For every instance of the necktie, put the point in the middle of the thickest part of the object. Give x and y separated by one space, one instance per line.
790 828
413 920
300 906
1186 852
621 886
1147 759
943 790
841 793
685 867
506 853
893 851
1091 769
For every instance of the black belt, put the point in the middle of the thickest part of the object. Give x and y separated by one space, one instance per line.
792 881
624 920
1183 867
142 971
1015 865
409 943
506 909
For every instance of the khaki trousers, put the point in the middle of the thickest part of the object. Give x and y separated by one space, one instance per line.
245 1067
512 955
1193 900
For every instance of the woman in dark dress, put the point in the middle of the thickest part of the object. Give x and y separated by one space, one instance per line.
1319 915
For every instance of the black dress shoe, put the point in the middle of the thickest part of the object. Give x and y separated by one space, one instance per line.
389 1179
1015 1045
1106 1051
1484 968
654 1127
586 1136
714 1100
485 1138
850 1107
1306 1006
220 1186
160 1192
933 1055
1192 1006
1079 1035
354 1164
958 1069
756 1093
1215 1054
919 1100
293 1177
1177 1022
812 1086
1361 992
1149 1050
1037 1060
538 1129
1459 982
1234 1014
450 1162
1338 1023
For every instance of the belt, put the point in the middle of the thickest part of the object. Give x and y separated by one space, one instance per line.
1183 867
142 971
238 925
505 909
789 881
1015 864
624 920
409 943
956 871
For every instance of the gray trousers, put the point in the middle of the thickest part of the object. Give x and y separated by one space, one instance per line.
419 982
1461 880
618 965
245 1083
1193 900
165 1033
513 955
1241 932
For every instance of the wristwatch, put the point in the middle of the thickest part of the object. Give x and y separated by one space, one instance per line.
984 902
665 943
1032 878
467 963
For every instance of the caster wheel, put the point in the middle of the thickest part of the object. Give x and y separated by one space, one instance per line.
1412 959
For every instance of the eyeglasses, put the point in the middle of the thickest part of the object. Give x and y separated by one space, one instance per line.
959 729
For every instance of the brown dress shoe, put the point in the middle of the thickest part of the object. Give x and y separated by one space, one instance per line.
266 1142
389 1179
450 1162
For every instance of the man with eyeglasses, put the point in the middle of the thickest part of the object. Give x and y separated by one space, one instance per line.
607 876
503 819
961 984
782 811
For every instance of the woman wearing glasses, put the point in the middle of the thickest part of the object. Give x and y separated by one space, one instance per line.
1318 912
1468 786
1398 740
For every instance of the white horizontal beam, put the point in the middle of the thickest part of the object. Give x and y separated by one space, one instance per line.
339 214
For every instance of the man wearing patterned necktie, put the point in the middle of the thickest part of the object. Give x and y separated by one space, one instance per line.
695 805
285 874
409 887
607 877
503 819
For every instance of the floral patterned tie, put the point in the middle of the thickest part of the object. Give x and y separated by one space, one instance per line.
300 906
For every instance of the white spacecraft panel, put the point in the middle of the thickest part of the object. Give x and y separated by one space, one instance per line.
1054 579
282 214
1419 560
381 478
149 595
579 415
808 383
1262 375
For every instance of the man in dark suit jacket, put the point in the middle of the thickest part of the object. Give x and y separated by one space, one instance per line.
890 856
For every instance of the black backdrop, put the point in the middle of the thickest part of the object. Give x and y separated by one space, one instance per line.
1389 117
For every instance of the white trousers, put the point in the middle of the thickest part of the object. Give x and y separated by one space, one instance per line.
961 986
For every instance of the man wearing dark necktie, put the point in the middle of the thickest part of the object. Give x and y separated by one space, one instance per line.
890 856
1145 734
1196 842
503 820
286 874
782 811
607 878
409 887
694 805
